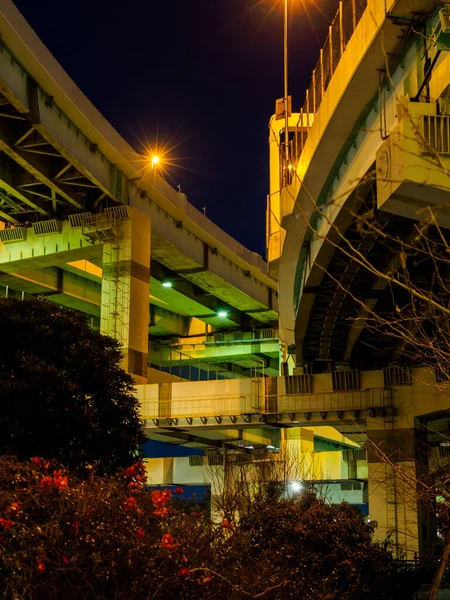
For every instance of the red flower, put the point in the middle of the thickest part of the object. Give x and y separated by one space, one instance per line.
161 512
76 527
130 472
6 524
178 490
134 486
140 533
183 572
41 567
204 580
226 523
65 559
161 497
59 480
168 542
137 472
130 504
195 514
14 508
40 462
46 482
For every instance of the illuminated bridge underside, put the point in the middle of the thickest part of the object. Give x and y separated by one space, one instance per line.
62 165
363 149
335 332
170 411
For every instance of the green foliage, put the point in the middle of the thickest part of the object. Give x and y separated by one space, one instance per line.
63 393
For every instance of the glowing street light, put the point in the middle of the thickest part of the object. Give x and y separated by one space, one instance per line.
286 93
155 160
295 486
167 284
222 313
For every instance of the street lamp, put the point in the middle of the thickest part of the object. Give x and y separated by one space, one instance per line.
155 160
286 97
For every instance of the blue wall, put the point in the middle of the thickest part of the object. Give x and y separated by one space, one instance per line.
154 449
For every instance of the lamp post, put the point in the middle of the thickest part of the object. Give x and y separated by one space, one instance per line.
286 93
286 97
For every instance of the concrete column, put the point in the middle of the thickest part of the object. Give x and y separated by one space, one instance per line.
297 446
125 291
392 485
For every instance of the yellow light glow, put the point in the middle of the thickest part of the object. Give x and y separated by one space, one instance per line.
155 161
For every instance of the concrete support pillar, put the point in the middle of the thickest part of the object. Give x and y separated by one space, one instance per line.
298 451
392 485
274 233
125 291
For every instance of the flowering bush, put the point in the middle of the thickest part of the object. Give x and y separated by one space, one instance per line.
63 537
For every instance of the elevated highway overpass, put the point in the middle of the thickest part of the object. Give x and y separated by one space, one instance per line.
85 225
372 138
85 222
369 137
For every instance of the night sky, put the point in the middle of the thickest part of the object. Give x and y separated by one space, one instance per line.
201 76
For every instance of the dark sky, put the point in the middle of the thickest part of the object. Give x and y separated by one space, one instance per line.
202 75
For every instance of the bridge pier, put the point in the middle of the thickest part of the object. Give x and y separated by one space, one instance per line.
125 291
393 476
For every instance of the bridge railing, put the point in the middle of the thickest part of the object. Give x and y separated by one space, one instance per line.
436 133
246 404
341 30
197 407
332 401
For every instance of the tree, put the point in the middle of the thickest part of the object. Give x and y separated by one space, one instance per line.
325 551
63 393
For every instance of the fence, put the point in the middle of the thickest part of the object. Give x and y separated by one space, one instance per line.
341 30
331 401
180 364
197 406
246 404
436 133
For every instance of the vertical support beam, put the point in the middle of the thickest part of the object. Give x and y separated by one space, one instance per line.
341 30
274 234
392 485
314 98
297 447
330 37
125 291
322 88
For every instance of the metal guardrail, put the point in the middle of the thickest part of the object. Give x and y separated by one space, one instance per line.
13 234
197 407
174 361
252 404
341 30
42 228
341 401
436 133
